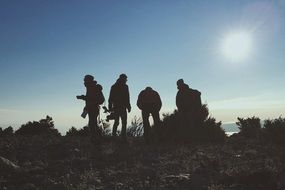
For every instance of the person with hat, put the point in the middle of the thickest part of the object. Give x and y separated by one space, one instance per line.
183 99
150 103
93 98
188 102
119 103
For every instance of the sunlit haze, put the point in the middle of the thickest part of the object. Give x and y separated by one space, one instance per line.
237 46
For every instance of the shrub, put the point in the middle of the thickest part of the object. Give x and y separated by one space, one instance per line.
169 127
204 114
212 130
274 130
136 128
42 127
104 128
174 127
85 131
72 132
249 127
7 131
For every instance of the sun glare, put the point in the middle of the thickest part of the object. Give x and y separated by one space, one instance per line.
237 46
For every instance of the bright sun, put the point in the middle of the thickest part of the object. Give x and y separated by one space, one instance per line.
237 46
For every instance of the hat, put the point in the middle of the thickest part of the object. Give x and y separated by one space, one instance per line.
88 78
180 82
123 76
148 88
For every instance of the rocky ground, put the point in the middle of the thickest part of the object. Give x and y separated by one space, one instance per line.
76 163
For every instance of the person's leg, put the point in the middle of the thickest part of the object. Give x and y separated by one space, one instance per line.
123 115
156 118
97 129
92 121
146 124
115 126
156 124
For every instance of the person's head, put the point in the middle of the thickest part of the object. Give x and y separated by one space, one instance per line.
123 78
88 79
180 83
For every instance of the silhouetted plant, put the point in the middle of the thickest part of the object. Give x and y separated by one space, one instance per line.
204 114
7 131
85 131
72 132
169 129
42 127
175 127
136 128
105 128
275 130
213 131
249 127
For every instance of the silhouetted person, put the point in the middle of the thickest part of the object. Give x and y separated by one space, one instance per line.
150 103
93 98
188 102
119 102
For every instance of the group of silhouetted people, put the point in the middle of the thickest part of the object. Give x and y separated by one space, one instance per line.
188 102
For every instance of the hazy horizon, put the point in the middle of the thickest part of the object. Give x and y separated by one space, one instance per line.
230 127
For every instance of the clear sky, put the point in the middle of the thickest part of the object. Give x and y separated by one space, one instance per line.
46 48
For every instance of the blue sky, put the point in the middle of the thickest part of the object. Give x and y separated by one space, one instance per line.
46 48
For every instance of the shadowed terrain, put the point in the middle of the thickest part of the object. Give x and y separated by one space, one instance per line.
248 160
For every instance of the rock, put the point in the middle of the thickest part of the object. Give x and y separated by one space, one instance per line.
178 177
119 184
6 166
180 181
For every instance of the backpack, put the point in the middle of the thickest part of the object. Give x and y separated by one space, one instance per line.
99 95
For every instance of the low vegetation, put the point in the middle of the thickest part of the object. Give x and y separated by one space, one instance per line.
272 131
37 157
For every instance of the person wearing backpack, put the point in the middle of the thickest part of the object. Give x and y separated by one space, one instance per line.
119 103
149 102
93 99
188 102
